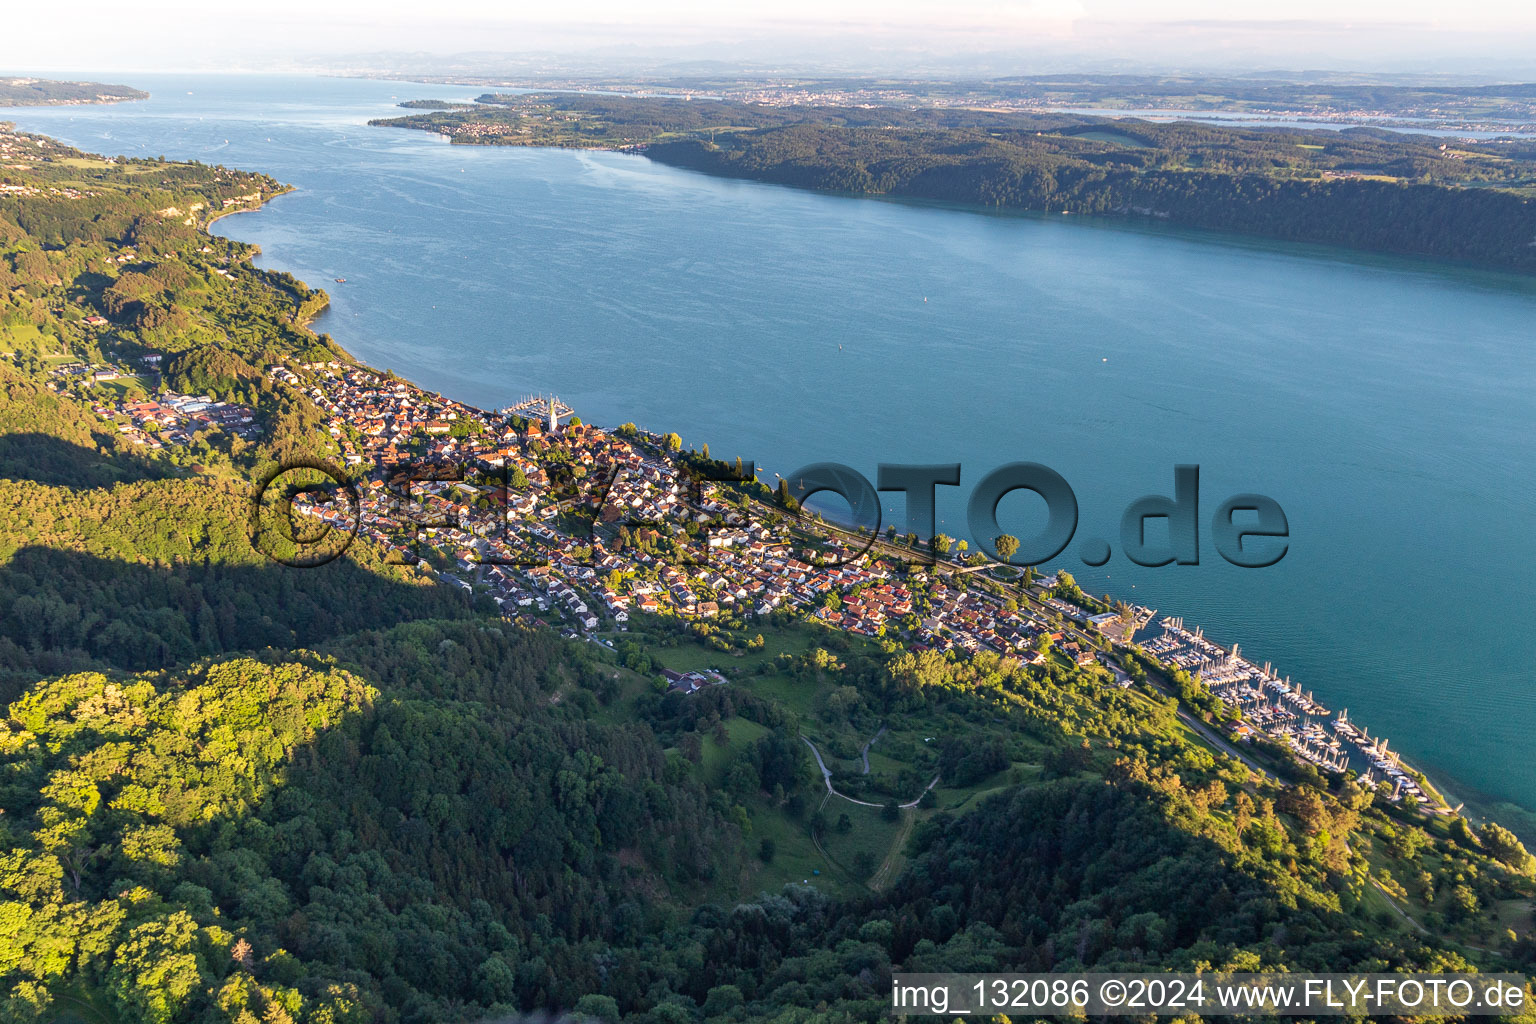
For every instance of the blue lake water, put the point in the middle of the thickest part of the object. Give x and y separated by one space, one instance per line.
1387 405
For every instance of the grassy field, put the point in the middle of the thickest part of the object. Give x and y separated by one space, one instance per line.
1516 915
797 695
1115 138
1486 930
621 708
795 639
869 834
716 757
965 799
1378 906
90 163
122 389
23 338
796 859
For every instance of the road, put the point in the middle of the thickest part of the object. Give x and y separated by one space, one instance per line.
826 776
865 752
1216 740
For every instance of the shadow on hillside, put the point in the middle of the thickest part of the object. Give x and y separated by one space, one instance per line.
1076 873
45 459
67 611
417 833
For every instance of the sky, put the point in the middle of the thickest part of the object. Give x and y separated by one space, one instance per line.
1489 38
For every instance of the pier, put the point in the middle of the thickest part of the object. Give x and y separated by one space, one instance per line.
1277 707
547 409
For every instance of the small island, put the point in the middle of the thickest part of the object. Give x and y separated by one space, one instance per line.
42 92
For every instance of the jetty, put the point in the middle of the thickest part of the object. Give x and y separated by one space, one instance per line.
1281 710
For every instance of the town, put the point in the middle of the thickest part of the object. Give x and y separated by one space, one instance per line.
138 407
643 535
566 524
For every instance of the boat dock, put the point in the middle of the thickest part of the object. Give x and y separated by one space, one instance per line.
1279 708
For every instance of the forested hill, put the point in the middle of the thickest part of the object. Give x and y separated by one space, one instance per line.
237 792
1365 189
36 92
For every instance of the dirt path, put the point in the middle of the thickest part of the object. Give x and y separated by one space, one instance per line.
1399 911
865 752
883 875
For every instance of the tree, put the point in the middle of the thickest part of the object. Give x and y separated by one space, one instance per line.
1505 847
1007 546
673 443
156 970
1407 841
495 981
598 1007
721 1000
890 812
940 544
766 849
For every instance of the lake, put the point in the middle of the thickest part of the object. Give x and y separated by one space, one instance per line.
1387 405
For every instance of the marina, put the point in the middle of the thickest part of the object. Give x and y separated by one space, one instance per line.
1278 708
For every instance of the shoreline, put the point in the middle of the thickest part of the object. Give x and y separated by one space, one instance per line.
1271 705
1447 793
1128 220
260 204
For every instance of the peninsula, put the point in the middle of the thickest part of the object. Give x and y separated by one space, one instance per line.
42 92
1369 189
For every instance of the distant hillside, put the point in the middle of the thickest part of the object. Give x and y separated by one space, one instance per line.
1363 188
40 92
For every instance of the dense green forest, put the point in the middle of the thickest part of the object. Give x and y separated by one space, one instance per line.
34 92
231 791
1365 189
